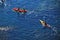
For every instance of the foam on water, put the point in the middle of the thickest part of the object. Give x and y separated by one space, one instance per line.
5 28
30 12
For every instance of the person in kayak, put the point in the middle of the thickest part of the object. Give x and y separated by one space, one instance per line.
45 24
20 10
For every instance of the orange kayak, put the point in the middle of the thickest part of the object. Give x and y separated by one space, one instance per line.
19 10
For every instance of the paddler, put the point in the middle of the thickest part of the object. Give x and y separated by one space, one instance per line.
45 24
20 10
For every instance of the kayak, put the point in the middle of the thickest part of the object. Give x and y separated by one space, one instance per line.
45 24
19 10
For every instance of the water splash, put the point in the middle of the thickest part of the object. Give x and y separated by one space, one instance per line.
5 28
53 28
30 12
1 3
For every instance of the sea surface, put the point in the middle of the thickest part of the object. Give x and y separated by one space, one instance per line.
18 26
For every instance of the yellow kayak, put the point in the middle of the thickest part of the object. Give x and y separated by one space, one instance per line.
45 24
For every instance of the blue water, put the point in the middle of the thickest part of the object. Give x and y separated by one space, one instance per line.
27 26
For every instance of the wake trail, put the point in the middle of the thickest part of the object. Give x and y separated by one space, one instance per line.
30 12
53 28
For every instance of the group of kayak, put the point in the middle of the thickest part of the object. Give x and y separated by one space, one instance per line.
41 21
19 10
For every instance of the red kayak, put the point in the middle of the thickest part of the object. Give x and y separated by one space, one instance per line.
19 10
